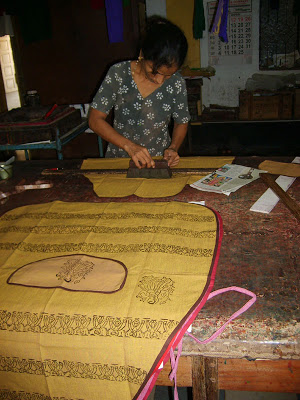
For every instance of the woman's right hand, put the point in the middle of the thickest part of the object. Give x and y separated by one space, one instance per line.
139 155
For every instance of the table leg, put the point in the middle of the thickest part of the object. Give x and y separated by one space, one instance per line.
205 378
100 145
58 145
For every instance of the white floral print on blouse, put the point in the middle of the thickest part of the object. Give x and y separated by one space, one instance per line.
142 120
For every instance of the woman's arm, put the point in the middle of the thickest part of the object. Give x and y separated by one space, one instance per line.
139 154
178 135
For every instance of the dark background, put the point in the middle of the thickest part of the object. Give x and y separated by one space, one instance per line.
61 47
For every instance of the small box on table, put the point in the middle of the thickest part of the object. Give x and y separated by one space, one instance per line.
264 105
258 105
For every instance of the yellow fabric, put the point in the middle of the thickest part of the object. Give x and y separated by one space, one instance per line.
280 168
72 345
74 272
204 162
117 185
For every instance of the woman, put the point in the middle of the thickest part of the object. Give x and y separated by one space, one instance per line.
145 94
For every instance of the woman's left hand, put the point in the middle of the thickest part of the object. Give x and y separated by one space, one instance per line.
172 157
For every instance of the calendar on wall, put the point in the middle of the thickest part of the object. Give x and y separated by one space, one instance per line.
238 50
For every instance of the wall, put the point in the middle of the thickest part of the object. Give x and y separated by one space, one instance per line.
156 7
68 66
223 88
181 13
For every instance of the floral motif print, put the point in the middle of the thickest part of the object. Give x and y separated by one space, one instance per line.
150 116
137 106
119 125
155 290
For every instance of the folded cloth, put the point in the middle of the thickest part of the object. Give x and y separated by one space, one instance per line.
280 168
118 185
184 162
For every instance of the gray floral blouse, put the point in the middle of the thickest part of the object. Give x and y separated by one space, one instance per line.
142 120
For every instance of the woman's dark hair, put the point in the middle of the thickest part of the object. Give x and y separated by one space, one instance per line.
163 43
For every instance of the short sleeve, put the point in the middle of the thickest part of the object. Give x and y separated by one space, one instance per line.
105 97
180 111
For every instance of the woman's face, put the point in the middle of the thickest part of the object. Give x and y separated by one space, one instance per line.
163 73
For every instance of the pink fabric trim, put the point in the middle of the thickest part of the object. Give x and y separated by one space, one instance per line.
174 363
235 315
179 335
147 389
177 341
194 313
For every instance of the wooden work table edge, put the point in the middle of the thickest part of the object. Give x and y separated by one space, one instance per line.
232 360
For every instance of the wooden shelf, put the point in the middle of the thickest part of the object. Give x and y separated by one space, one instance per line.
244 121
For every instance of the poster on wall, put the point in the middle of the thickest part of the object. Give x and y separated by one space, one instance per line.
238 49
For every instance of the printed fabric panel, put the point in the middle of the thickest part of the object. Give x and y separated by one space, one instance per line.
92 294
117 185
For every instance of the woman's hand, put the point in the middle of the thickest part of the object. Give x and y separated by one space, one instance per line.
139 155
171 156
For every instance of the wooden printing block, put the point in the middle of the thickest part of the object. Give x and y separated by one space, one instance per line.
161 171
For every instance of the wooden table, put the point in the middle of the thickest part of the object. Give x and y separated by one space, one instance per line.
260 252
57 144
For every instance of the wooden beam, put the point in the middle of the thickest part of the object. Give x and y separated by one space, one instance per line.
287 200
205 378
260 375
237 374
63 171
184 373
